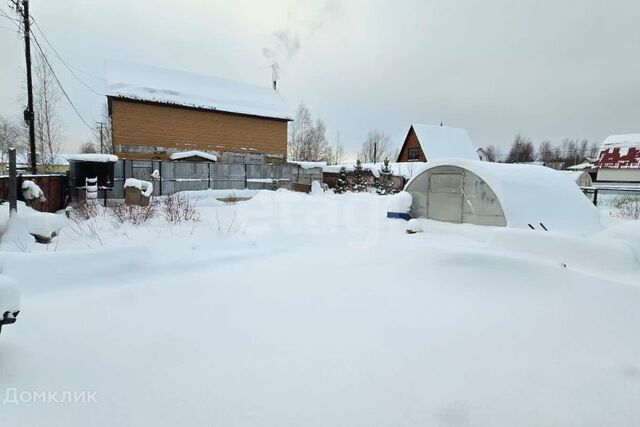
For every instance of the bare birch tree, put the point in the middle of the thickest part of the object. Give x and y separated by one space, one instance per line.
10 137
307 139
48 126
375 148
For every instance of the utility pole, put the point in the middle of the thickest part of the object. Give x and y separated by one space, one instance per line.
13 182
375 151
28 113
101 124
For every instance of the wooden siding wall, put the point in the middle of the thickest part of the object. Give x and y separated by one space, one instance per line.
411 142
152 125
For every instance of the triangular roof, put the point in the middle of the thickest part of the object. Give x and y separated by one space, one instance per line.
161 85
443 141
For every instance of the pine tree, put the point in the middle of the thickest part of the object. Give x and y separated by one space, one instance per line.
385 182
342 183
358 180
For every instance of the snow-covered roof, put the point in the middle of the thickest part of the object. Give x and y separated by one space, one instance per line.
444 141
91 157
531 194
154 84
193 153
626 140
620 151
581 166
308 165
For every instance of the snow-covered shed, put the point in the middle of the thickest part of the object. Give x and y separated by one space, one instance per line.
503 195
90 165
156 112
428 142
619 159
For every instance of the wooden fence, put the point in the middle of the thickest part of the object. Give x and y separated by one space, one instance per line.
194 176
54 188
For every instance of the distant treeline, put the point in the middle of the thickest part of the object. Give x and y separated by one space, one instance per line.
569 152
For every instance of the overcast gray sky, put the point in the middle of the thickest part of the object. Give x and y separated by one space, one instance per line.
548 69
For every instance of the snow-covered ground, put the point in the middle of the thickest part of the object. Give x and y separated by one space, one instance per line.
298 310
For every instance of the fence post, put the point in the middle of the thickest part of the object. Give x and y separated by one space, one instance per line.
160 172
245 176
595 197
13 182
209 176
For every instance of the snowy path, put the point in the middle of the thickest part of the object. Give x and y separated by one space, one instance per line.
318 322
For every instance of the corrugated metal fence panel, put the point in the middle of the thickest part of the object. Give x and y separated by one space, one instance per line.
190 176
226 176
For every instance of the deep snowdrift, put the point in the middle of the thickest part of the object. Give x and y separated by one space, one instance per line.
292 309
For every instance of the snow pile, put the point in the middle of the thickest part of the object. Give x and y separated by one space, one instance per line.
15 236
629 232
36 222
145 187
400 202
9 294
414 225
31 191
147 83
317 188
91 157
193 153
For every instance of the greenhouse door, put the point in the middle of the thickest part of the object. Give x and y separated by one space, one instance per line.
445 198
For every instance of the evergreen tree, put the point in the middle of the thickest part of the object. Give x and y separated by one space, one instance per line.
342 184
385 182
358 180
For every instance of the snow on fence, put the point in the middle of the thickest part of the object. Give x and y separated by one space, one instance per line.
194 176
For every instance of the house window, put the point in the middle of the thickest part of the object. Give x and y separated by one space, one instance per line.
413 154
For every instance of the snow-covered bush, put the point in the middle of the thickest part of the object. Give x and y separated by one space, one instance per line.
133 214
83 210
626 206
177 208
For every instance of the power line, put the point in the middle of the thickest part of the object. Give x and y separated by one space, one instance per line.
68 67
46 60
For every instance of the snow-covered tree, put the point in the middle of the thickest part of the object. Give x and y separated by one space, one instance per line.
385 182
342 183
358 180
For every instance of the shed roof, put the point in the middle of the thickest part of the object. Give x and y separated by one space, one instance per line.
531 194
91 157
161 85
444 141
180 155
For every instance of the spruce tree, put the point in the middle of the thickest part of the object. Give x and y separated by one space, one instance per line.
358 180
342 183
385 182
